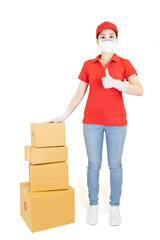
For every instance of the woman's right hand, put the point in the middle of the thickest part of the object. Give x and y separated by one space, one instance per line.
62 118
58 119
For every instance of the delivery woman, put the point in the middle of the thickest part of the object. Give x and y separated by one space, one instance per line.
108 75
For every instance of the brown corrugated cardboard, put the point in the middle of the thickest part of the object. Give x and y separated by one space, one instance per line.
50 176
46 154
44 210
48 134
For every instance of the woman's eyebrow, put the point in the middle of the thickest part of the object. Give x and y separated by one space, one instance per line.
104 34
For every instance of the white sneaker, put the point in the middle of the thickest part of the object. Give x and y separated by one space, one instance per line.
92 217
114 216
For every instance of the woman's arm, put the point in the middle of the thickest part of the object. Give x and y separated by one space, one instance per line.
77 98
134 86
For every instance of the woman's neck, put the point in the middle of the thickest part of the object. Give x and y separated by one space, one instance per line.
106 56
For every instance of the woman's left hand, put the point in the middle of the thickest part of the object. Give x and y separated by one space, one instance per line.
109 82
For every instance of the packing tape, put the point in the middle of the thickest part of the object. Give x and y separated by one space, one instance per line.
28 154
25 188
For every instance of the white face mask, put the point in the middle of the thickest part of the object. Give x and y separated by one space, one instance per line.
107 46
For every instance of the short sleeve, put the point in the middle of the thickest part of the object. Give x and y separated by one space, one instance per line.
83 76
129 69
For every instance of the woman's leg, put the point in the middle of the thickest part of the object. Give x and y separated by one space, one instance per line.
93 136
115 137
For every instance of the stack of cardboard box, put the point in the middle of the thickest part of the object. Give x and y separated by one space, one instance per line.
47 200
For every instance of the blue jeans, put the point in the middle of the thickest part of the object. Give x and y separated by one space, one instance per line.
115 137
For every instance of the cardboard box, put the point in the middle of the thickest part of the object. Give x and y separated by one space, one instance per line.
50 176
48 134
46 155
44 210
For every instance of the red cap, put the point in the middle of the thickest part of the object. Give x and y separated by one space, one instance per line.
106 25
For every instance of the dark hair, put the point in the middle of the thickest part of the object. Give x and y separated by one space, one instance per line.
113 30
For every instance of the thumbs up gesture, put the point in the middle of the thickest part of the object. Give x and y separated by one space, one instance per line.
109 82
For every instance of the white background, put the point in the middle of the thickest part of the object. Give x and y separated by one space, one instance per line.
43 45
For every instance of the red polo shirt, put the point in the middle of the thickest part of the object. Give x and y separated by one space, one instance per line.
105 106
